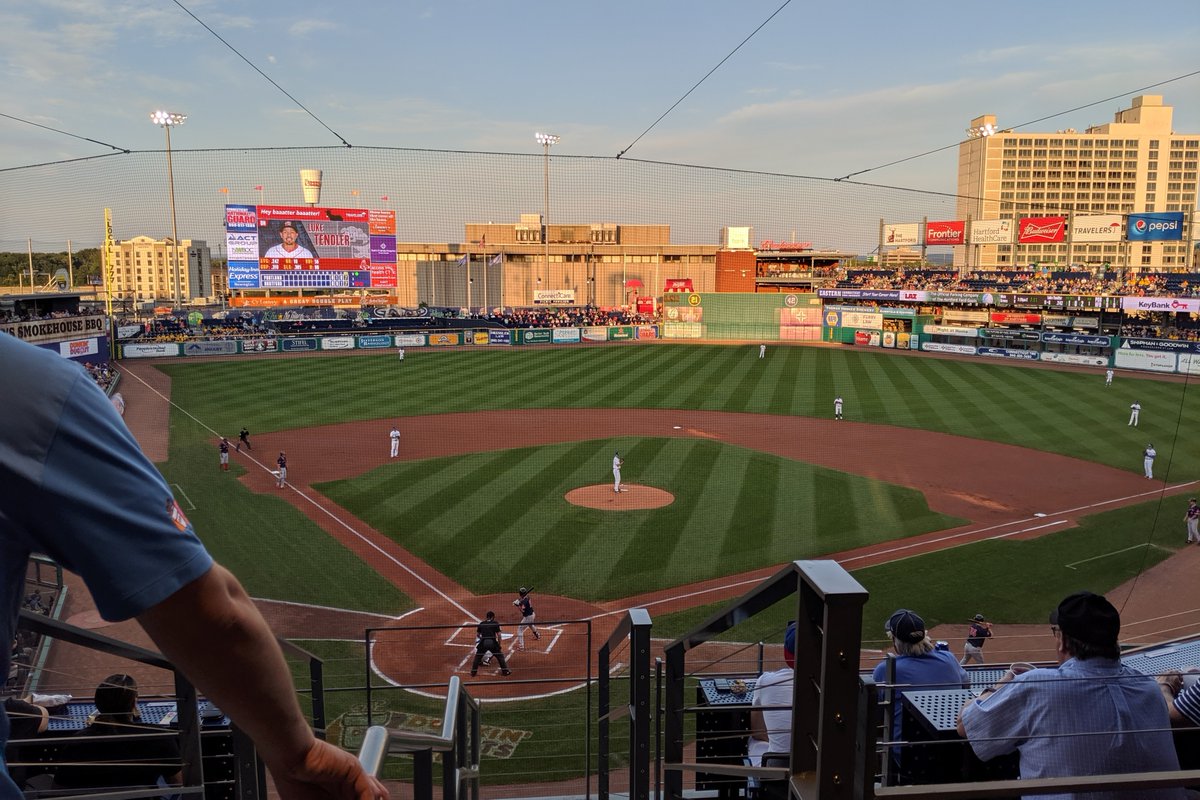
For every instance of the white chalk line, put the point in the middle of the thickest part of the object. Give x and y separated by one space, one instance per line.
191 505
1074 564
389 617
364 539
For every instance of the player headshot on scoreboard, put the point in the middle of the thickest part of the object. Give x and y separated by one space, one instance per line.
289 245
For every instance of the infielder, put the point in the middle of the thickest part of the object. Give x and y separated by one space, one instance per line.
762 351
282 463
224 448
617 462
1135 411
1148 459
1108 375
837 407
527 616
1192 518
395 437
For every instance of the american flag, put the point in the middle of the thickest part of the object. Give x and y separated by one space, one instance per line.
258 188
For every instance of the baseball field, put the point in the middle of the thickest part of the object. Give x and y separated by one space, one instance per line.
940 468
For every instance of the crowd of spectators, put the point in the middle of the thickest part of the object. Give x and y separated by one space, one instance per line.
569 316
33 315
1075 282
102 374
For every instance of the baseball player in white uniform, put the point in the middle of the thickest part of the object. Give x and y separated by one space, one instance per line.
1148 456
762 351
1192 518
837 407
617 462
1108 375
395 437
401 354
1135 411
290 246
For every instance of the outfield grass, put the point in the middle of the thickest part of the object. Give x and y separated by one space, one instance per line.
1012 581
1063 412
483 519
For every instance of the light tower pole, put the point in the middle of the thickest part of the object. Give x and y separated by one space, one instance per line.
546 140
166 120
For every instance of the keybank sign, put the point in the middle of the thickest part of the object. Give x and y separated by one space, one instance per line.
1161 227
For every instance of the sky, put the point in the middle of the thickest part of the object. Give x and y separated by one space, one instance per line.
823 89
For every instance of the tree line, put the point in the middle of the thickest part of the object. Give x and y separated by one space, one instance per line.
14 267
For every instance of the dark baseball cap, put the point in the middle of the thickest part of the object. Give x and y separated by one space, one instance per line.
979 618
789 638
906 626
290 224
1088 618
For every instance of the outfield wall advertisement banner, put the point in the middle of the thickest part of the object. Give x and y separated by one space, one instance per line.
1031 230
443 339
647 332
337 343
1074 358
1166 226
620 333
410 340
595 334
150 350
682 330
78 348
942 347
554 297
373 342
991 231
499 337
227 347
1145 359
1083 340
861 294
535 336
299 345
904 233
1096 228
1010 334
1161 345
853 319
951 330
564 335
946 232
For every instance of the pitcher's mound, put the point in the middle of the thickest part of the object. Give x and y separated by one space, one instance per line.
633 497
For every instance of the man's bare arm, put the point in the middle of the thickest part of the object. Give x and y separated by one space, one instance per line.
211 630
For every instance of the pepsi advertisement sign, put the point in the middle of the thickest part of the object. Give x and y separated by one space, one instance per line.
1165 226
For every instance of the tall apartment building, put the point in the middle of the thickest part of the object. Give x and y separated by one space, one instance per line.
1136 163
143 270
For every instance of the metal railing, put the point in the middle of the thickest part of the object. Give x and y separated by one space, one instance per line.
634 627
823 759
458 742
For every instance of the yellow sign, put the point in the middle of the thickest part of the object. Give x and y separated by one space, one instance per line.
480 337
693 299
443 339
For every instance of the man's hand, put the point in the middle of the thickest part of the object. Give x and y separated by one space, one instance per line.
326 771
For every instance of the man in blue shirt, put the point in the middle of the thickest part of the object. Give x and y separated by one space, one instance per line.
75 485
1090 715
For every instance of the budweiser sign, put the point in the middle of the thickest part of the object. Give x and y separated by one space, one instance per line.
1032 230
948 232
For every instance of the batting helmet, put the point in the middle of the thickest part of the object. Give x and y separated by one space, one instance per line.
522 591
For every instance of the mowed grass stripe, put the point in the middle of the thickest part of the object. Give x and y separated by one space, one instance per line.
785 362
685 365
900 399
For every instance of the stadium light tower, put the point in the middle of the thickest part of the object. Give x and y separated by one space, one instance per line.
546 140
166 120
982 131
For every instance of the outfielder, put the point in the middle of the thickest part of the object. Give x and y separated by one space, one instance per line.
1108 376
837 407
1192 518
527 616
762 351
1135 411
401 353
395 437
1148 459
617 462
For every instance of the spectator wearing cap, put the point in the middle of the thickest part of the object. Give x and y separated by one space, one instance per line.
919 664
1090 715
980 630
771 707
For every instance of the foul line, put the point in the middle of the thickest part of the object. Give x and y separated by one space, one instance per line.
318 506
192 506
1073 564
298 604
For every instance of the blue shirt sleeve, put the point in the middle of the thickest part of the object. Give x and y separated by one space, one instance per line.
75 485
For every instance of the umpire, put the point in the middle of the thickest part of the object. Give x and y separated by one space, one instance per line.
487 640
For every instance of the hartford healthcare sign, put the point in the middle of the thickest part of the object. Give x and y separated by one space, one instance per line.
1166 226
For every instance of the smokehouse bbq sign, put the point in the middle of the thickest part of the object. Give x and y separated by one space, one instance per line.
52 330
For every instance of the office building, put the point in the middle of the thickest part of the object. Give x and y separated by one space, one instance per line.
1134 164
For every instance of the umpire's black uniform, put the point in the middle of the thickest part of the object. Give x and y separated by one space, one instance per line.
488 641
